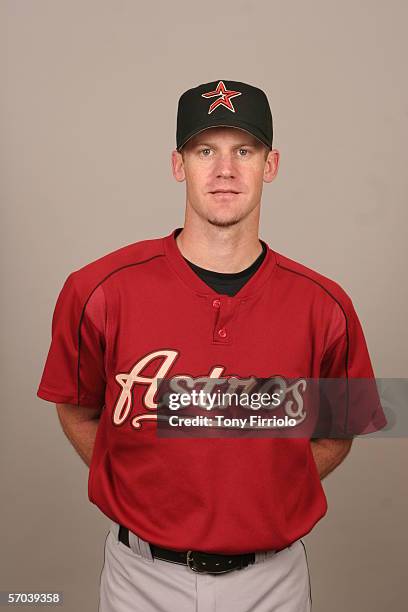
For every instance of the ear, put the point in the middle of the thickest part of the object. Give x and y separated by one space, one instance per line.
177 166
271 166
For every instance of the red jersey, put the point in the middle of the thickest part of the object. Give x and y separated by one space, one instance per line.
140 314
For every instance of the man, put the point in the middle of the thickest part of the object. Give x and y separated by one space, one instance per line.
212 522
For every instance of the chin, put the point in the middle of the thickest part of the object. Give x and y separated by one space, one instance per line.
224 222
221 215
217 223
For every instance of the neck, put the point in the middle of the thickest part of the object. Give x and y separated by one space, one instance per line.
221 249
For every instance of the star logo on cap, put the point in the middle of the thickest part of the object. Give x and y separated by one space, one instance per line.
224 99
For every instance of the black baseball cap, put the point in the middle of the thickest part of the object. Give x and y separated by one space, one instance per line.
224 103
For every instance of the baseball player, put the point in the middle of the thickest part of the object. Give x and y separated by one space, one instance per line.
206 523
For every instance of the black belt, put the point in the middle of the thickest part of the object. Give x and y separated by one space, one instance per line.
202 562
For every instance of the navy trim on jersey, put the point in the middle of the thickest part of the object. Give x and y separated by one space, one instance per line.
84 308
347 333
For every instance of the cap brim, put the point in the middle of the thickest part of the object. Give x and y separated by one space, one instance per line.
239 125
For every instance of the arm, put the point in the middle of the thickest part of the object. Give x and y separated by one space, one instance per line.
79 424
329 453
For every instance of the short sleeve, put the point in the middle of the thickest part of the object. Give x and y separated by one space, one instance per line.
351 401
74 370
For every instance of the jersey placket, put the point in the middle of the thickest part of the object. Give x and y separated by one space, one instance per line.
224 307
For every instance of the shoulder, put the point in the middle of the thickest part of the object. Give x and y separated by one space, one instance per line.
87 278
311 282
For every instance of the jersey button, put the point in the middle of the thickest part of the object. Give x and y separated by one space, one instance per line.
222 332
216 303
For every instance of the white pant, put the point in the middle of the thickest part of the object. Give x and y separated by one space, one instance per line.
132 581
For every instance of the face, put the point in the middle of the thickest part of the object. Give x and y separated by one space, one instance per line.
224 170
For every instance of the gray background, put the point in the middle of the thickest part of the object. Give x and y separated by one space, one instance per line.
89 92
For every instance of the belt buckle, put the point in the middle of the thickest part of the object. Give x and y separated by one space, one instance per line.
191 562
210 569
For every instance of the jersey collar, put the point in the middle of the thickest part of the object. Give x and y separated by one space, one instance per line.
194 282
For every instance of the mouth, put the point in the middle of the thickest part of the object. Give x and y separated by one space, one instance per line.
225 192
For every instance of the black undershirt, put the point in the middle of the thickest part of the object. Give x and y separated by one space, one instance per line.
228 283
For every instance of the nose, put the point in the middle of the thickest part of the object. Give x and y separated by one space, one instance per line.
225 167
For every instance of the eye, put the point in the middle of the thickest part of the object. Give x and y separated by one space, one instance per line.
204 152
243 152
